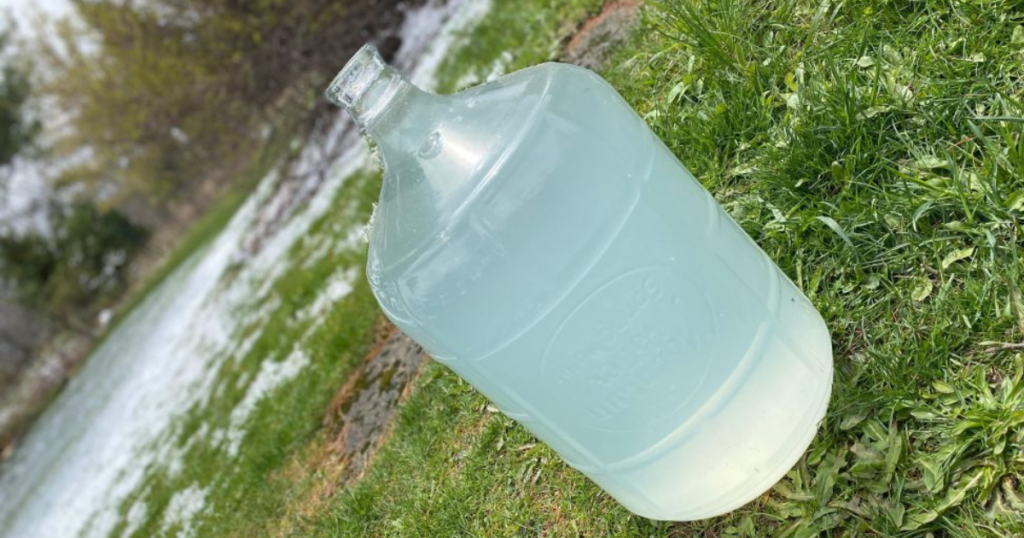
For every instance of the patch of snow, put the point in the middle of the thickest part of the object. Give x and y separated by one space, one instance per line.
173 456
135 518
24 197
419 26
355 238
245 346
462 14
218 437
243 380
183 508
175 464
272 374
104 317
339 285
323 248
498 68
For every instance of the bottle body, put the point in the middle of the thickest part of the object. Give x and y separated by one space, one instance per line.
579 277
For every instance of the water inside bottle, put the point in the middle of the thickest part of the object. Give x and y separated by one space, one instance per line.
534 235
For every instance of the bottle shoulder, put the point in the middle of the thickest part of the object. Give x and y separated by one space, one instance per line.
484 134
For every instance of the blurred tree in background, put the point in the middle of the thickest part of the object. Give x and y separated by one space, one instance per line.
20 328
165 93
65 273
16 130
60 271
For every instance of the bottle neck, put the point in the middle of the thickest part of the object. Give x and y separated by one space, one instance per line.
418 134
370 90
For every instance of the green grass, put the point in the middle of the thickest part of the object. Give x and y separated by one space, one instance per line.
872 148
513 35
860 145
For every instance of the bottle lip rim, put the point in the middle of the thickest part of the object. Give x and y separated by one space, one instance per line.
359 73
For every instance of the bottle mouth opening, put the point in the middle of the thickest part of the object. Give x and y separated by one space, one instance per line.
356 77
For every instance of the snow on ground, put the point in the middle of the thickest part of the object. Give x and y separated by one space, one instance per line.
182 507
135 518
338 286
89 451
272 374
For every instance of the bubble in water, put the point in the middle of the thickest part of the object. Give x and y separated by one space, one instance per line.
431 146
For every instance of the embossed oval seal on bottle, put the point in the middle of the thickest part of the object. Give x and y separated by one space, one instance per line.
636 315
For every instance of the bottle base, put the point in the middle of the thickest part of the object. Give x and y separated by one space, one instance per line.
748 492
737 450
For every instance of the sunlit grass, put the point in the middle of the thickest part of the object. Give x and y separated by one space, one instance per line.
874 150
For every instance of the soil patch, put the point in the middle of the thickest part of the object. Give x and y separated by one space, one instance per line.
592 45
363 410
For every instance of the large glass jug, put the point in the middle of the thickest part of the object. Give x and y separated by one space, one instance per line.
536 237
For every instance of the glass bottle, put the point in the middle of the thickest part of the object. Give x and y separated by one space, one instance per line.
536 237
